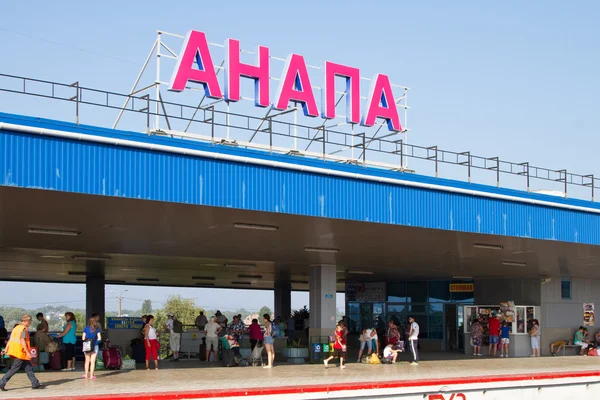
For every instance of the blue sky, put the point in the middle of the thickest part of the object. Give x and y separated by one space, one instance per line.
512 79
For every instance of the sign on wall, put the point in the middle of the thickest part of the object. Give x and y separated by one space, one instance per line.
124 323
461 287
588 314
368 291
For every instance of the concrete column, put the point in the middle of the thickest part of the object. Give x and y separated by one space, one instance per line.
283 300
95 292
322 285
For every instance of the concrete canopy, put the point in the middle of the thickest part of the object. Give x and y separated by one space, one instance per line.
132 241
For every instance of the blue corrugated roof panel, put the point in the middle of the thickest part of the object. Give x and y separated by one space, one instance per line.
47 162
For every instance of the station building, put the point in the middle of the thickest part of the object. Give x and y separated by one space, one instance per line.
95 206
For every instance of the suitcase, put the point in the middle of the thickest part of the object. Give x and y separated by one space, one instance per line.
229 359
139 353
111 357
56 361
202 354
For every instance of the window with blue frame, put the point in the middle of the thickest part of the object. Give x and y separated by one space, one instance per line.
565 289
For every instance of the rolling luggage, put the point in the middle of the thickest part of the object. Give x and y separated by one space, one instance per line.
111 357
202 353
56 361
139 353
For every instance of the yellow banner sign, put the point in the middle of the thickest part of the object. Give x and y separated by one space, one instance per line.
461 287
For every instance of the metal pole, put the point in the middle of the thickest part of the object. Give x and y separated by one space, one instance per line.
352 147
227 121
324 153
401 155
467 163
76 99
364 135
296 127
406 120
271 135
157 96
212 128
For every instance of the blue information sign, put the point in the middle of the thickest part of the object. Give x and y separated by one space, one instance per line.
124 323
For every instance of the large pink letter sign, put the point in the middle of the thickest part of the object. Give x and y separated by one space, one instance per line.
195 47
294 86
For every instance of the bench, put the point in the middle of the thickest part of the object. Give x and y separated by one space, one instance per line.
564 349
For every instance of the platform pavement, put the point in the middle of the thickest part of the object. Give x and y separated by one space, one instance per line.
210 378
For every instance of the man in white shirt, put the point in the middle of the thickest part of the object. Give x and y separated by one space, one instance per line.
413 340
175 336
211 331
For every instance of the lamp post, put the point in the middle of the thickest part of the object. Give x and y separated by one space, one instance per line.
120 299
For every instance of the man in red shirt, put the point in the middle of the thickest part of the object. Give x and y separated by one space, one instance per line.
494 328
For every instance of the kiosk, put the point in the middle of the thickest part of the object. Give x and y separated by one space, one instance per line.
519 319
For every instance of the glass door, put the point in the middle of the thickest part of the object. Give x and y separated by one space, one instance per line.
366 316
451 324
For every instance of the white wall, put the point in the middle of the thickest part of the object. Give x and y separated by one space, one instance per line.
560 318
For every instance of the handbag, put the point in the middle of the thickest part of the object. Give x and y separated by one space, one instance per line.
87 346
51 347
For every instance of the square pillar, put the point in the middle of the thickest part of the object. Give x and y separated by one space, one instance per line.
322 300
283 300
95 297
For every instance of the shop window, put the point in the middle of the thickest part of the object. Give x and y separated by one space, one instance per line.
416 292
439 291
396 292
565 289
423 322
353 308
397 312
417 308
436 308
436 326
354 321
521 327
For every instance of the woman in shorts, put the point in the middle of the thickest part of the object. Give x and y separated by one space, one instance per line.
211 332
269 342
339 347
535 338
91 334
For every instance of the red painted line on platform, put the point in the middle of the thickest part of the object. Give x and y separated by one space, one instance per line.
324 388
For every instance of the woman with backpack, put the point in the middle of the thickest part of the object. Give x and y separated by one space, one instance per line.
269 341
91 336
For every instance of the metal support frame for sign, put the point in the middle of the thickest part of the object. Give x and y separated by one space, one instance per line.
526 173
434 157
589 184
495 168
562 177
160 50
199 107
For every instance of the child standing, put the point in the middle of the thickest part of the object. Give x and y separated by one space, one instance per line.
339 347
504 338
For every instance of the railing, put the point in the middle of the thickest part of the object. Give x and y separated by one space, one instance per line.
320 141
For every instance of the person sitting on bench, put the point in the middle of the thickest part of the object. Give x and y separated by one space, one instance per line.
557 346
579 340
